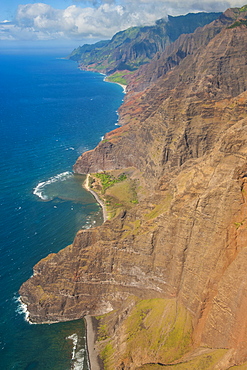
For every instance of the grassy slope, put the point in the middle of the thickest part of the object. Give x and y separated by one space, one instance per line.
157 329
117 195
202 362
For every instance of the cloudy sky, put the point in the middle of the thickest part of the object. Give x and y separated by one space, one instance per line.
80 21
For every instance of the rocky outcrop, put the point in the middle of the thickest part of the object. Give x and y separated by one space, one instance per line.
180 252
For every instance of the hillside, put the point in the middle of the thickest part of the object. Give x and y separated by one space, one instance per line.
129 49
165 275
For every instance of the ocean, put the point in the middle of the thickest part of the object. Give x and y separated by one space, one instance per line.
50 112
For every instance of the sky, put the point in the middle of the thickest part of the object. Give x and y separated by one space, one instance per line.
75 22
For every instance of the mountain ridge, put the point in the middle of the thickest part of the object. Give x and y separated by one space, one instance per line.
166 275
129 49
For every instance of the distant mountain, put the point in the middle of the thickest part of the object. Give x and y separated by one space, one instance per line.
129 49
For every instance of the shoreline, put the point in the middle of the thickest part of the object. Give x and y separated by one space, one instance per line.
95 362
101 203
124 87
113 82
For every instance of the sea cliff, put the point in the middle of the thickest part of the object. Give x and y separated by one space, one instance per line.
166 274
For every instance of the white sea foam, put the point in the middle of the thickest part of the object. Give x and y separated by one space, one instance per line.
78 354
22 309
88 223
82 149
74 338
70 148
39 189
79 360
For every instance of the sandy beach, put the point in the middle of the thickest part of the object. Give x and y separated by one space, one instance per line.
102 204
113 82
94 360
123 87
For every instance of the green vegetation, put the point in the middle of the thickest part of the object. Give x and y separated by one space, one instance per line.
188 23
119 77
116 189
240 22
160 208
159 328
104 141
132 228
108 180
238 224
131 48
102 333
132 32
86 49
106 355
243 9
206 361
120 196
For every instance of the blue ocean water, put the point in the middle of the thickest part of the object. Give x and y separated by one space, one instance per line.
50 112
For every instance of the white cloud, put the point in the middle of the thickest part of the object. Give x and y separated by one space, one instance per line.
178 7
100 19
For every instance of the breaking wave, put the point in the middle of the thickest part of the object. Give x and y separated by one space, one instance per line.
39 190
78 353
22 309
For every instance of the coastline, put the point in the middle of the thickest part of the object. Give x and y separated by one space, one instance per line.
124 87
101 203
113 82
91 326
90 329
95 363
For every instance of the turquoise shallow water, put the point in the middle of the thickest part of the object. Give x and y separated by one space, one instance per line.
50 112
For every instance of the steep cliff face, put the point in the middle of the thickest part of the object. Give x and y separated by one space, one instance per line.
129 49
171 121
179 256
185 45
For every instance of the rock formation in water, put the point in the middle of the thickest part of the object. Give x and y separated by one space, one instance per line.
167 276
